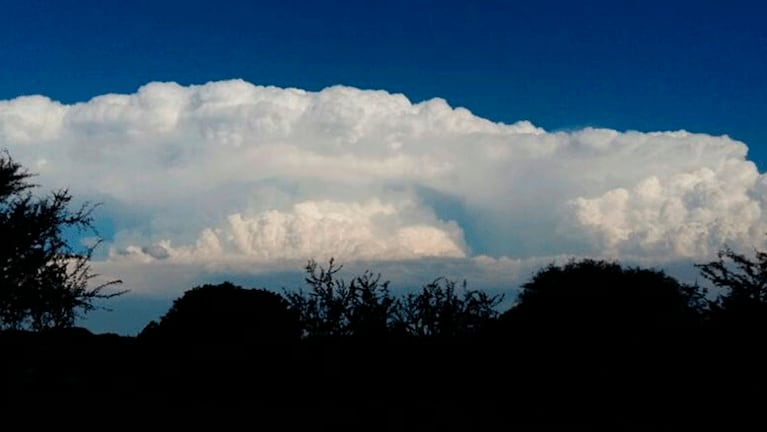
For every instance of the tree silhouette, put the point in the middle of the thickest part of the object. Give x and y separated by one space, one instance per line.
332 307
365 307
44 281
744 281
604 296
226 313
437 310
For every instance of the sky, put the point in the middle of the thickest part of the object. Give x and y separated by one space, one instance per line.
479 140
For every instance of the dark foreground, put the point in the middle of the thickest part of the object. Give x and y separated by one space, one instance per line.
648 382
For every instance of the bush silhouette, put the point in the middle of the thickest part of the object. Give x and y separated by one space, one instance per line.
601 296
226 313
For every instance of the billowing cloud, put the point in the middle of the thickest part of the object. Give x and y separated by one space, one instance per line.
229 172
368 231
687 214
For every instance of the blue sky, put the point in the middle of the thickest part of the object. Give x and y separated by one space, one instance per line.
638 65
201 182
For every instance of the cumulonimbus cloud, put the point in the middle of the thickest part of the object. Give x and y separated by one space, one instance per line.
231 171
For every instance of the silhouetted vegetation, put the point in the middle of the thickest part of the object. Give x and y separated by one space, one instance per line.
226 312
437 310
365 307
44 281
587 342
743 281
600 296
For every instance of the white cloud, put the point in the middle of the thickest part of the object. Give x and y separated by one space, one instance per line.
347 231
686 214
229 172
30 119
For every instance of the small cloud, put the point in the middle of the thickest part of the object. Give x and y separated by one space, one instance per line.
156 251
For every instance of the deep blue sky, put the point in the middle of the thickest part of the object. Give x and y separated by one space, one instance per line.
700 66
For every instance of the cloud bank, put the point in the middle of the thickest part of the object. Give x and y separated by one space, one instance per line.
234 174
